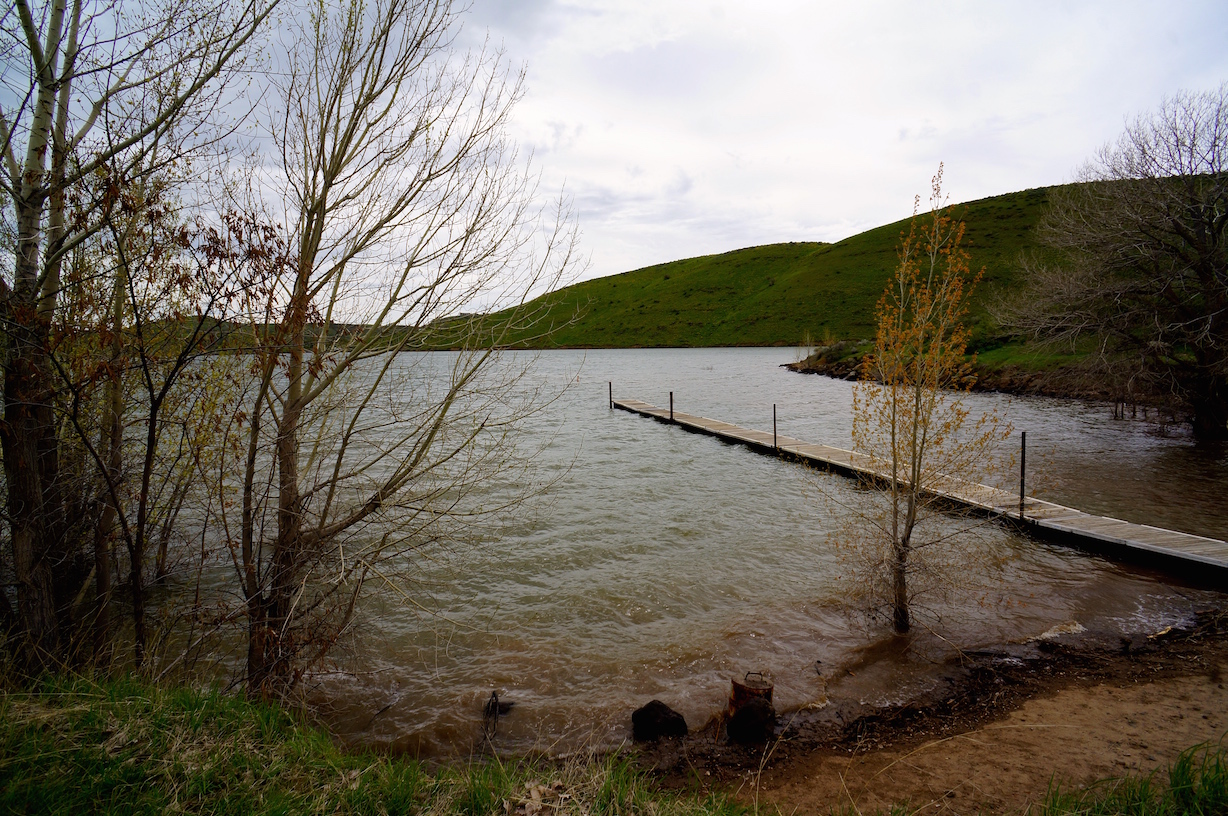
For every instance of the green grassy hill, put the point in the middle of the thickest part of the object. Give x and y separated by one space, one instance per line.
777 294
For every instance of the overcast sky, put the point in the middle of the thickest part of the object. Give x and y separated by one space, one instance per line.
683 129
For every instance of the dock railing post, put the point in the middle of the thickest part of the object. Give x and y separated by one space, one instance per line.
611 395
774 445
1023 467
671 406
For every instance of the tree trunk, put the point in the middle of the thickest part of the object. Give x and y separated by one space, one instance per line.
1211 415
27 436
1208 391
104 534
253 591
900 617
270 656
24 435
113 444
270 641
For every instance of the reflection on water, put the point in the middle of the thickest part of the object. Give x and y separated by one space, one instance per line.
663 563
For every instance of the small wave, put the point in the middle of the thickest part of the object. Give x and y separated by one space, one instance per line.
1067 628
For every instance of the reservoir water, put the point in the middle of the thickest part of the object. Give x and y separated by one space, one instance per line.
658 563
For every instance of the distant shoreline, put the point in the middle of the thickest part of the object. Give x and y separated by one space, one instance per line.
1062 382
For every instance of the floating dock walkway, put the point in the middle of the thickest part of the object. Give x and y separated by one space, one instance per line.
1205 559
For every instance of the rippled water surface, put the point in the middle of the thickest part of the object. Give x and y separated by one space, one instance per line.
661 563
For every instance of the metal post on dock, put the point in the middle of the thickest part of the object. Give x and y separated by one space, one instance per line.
1023 467
774 445
611 395
671 406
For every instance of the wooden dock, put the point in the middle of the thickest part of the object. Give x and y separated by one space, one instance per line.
1205 559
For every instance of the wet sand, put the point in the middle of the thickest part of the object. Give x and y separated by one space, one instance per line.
992 737
1071 736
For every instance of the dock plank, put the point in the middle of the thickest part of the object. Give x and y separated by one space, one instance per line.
1084 528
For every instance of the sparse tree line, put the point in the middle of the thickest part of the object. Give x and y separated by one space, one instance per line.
321 186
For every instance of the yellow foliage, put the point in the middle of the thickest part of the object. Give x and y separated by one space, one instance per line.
909 414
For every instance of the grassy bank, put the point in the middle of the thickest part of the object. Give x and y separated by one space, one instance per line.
1016 368
76 747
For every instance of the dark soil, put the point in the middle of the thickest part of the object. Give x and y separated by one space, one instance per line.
842 361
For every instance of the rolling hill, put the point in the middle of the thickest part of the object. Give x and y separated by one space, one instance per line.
779 293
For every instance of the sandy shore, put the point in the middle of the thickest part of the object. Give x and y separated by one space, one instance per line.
1072 736
992 738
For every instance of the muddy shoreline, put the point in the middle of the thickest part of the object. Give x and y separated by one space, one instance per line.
1069 382
973 689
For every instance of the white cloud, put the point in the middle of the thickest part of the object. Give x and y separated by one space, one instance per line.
690 128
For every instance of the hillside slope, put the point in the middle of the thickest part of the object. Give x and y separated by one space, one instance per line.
777 294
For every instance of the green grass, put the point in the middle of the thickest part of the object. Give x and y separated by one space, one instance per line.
1027 357
75 747
1197 785
776 294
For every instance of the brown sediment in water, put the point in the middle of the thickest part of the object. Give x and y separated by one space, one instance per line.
991 735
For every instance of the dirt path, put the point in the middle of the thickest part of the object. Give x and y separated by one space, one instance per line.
1074 736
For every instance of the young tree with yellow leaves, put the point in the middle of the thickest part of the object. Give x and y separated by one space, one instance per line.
908 412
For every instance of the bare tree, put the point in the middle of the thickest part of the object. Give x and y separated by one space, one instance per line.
87 88
143 311
1140 259
405 207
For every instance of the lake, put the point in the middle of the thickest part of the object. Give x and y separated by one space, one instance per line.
659 564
